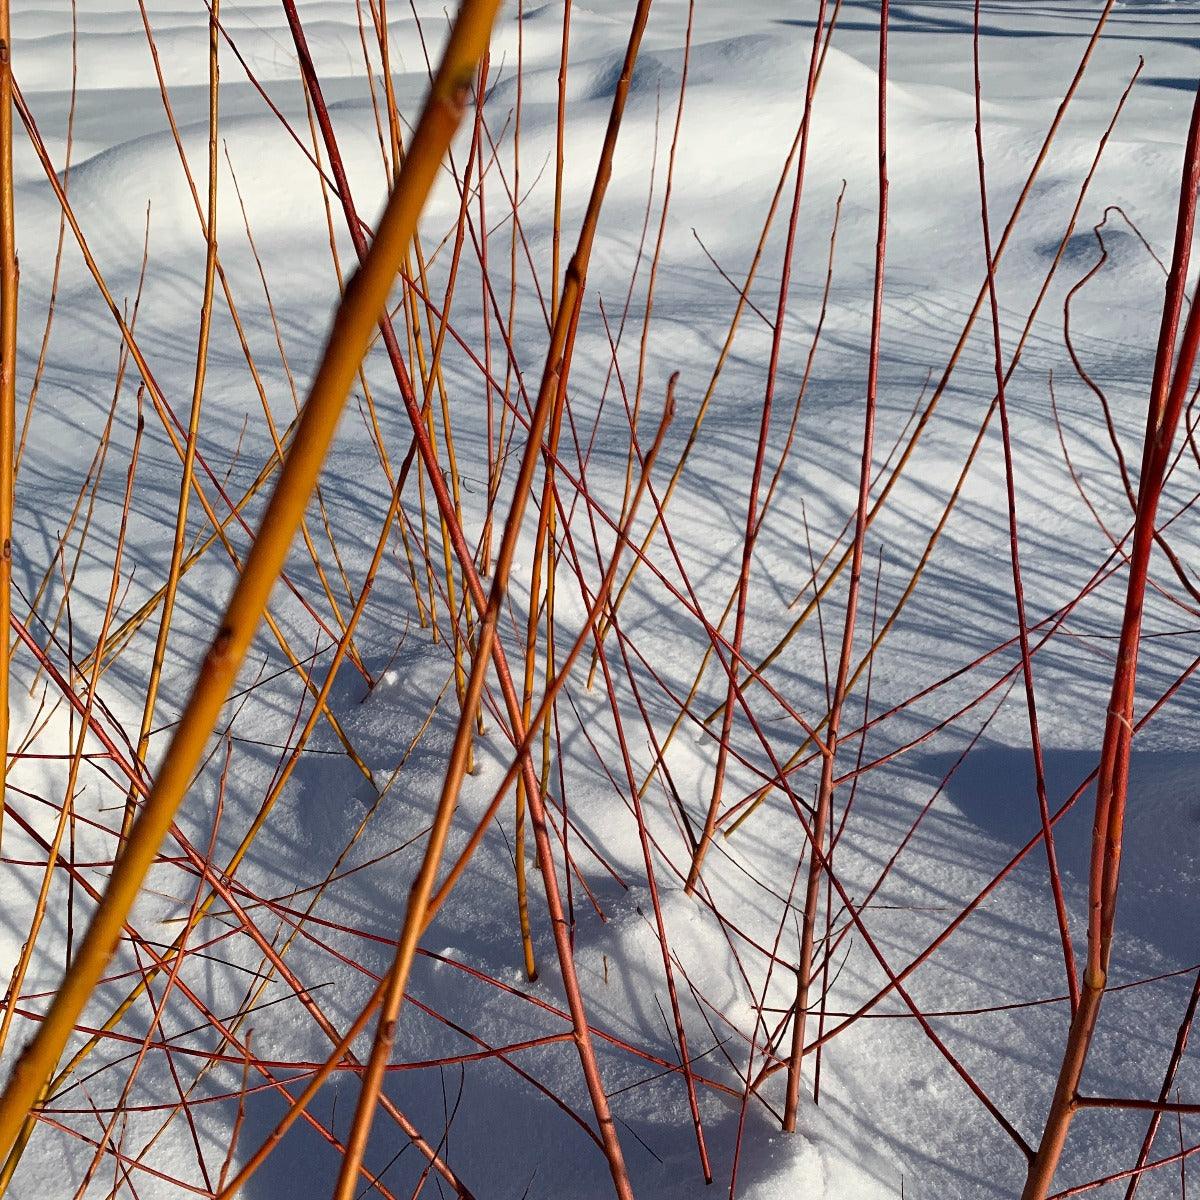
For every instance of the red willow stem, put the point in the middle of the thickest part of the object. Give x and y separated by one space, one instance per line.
865 1009
896 982
1052 622
660 925
160 962
963 337
1180 1156
1181 1041
552 389
554 685
743 586
825 795
736 670
1039 766
754 799
1168 394
358 232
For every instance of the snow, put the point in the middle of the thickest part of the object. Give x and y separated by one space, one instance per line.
893 1114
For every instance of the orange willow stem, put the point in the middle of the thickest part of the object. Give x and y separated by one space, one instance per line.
539 719
8 372
365 298
550 400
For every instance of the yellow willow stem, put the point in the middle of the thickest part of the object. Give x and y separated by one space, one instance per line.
389 474
550 392
389 89
66 813
189 459
431 376
543 548
119 636
158 400
365 298
416 361
8 372
118 1014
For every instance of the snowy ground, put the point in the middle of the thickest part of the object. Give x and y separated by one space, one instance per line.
893 1114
